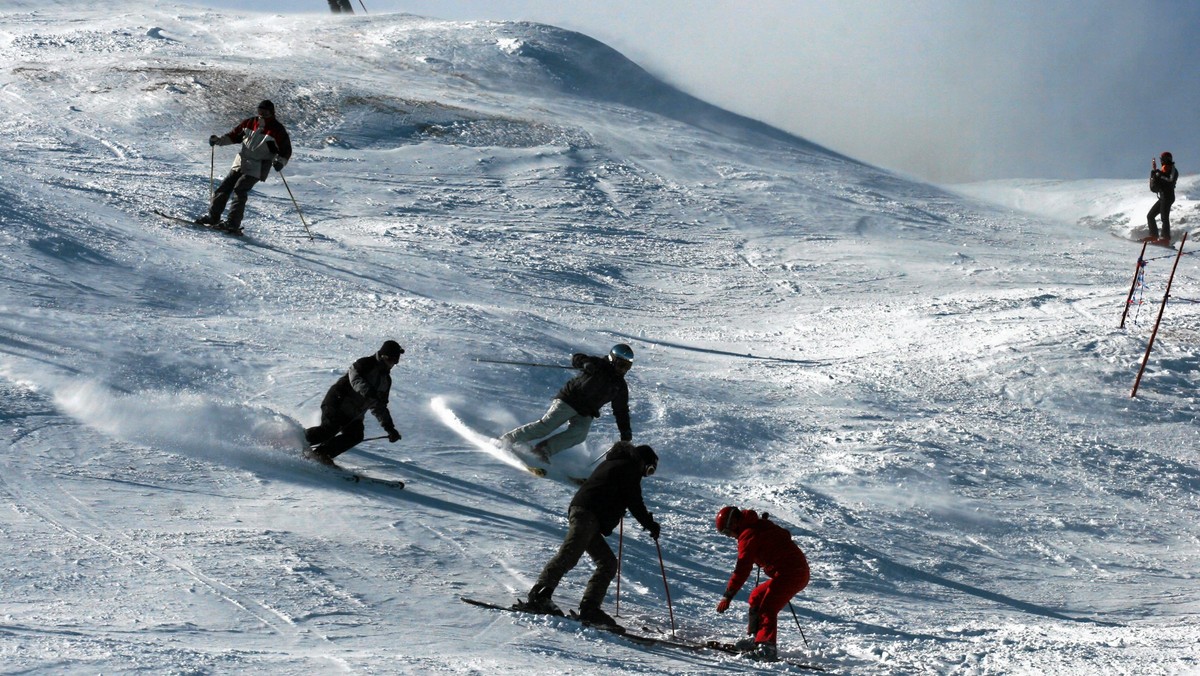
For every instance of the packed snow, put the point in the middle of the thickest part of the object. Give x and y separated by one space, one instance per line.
927 385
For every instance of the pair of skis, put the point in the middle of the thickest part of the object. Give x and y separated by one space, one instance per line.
639 639
194 224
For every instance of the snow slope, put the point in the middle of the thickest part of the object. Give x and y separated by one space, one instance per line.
932 393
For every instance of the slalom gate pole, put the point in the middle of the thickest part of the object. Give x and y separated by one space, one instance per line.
663 567
289 189
522 363
620 555
212 163
1137 270
1161 308
797 619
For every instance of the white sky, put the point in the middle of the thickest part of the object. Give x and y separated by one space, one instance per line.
945 90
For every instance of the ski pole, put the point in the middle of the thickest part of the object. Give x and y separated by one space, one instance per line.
289 189
360 2
522 363
212 163
670 608
797 619
620 555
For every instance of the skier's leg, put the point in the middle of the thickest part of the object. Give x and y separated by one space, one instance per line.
1165 214
241 192
1150 222
577 430
558 413
331 424
606 569
351 436
221 197
582 528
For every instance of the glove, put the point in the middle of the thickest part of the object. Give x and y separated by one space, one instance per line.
723 605
654 529
278 164
213 140
393 436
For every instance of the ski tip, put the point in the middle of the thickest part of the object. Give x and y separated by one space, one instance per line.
537 471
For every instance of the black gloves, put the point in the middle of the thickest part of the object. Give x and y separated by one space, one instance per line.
654 529
212 140
278 164
393 435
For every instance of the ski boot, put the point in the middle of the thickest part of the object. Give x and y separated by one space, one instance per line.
595 616
538 603
229 228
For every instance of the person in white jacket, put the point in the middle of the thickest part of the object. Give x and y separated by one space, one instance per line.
265 144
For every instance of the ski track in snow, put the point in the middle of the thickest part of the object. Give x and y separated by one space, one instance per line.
930 390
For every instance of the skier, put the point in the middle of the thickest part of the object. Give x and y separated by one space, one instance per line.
1162 181
599 504
265 144
364 388
579 401
762 542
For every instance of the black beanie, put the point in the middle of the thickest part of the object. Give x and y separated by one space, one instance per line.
268 105
647 455
391 349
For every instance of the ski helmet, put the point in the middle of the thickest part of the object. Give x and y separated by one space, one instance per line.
621 351
727 519
1166 158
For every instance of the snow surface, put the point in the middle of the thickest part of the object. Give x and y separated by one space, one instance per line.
932 393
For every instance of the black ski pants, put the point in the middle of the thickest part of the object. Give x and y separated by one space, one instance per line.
337 433
238 185
583 535
1161 208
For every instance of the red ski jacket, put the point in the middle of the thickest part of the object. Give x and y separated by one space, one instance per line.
763 543
262 143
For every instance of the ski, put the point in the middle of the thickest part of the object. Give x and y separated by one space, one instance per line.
357 477
573 616
353 476
194 224
639 639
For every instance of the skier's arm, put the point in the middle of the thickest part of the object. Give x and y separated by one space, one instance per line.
620 409
741 573
637 507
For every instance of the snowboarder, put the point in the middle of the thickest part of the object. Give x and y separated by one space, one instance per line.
265 144
579 401
599 504
1162 181
363 388
762 542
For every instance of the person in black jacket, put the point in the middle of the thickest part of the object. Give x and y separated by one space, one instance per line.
365 387
599 504
1162 181
579 401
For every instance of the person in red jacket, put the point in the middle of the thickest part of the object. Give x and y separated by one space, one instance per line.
265 144
761 542
1162 182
